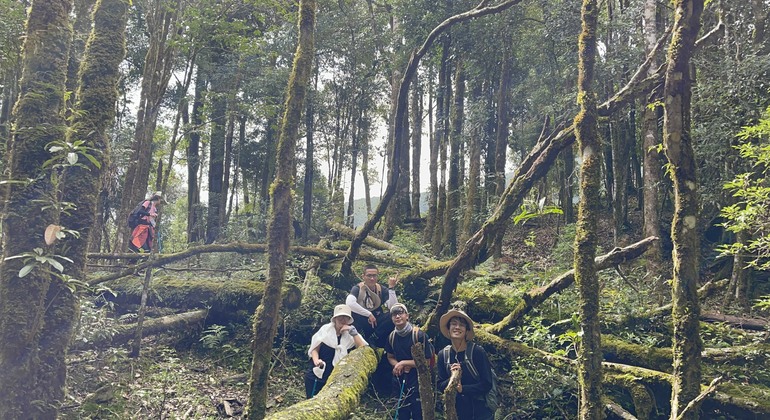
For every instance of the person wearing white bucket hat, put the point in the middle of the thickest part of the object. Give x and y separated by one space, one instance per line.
328 345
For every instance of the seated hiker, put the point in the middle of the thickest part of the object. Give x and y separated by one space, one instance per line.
366 300
477 375
399 351
144 231
330 344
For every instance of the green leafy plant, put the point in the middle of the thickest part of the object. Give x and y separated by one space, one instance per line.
214 336
750 214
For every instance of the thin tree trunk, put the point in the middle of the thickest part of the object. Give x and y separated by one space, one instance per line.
194 159
307 192
417 112
455 143
472 207
38 122
677 140
356 140
435 145
279 232
220 86
589 352
652 162
620 154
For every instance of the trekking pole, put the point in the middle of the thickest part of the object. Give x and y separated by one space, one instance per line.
400 394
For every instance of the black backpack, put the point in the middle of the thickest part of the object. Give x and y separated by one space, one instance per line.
135 217
415 331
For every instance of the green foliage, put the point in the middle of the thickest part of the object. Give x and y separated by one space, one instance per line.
95 324
750 214
39 258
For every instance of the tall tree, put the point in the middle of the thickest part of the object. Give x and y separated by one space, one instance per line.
417 110
162 26
589 352
279 231
23 293
455 145
677 141
94 112
652 164
194 213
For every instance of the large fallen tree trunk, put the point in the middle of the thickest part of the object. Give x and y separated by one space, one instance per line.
536 296
339 397
745 401
237 247
754 324
223 298
124 333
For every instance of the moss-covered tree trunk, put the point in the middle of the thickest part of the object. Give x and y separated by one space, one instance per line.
677 141
94 112
81 29
340 396
589 351
38 122
279 231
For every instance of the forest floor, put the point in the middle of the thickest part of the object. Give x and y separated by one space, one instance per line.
203 374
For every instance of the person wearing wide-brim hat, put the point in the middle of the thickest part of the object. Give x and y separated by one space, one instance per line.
476 379
328 345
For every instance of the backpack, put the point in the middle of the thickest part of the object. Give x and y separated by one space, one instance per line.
415 331
491 399
135 217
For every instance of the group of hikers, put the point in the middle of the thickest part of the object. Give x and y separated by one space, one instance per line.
363 317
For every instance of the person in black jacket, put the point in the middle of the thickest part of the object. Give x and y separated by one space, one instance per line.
474 386
399 352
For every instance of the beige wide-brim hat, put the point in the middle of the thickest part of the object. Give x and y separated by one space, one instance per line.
444 323
343 310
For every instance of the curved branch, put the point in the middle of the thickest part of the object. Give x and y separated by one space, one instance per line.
400 118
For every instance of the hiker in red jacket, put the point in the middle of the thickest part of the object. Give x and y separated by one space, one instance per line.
144 232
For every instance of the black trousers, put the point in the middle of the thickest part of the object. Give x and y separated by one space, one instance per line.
376 336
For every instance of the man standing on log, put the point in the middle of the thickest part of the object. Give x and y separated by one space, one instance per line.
367 299
399 353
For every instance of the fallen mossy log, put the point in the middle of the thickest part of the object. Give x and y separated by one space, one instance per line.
124 333
747 401
704 292
371 241
224 298
617 350
754 324
340 396
536 296
415 282
237 247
